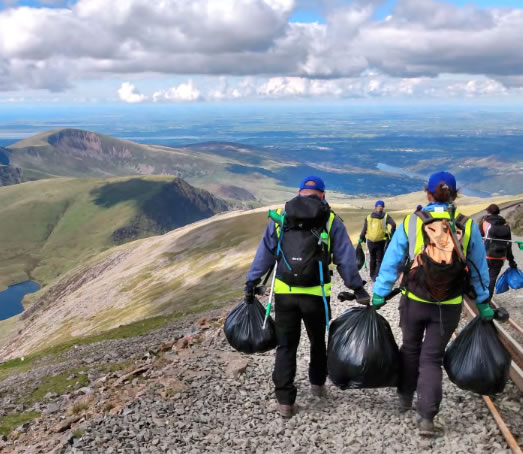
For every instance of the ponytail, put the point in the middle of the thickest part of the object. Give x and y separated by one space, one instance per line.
444 194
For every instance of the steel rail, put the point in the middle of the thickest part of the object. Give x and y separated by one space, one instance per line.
515 374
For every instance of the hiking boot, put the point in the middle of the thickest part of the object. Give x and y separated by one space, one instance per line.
427 428
405 402
318 390
286 411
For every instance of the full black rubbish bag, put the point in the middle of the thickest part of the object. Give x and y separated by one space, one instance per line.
360 256
362 352
244 328
476 360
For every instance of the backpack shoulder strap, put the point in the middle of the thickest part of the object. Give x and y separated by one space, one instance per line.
278 226
328 227
461 221
425 216
384 222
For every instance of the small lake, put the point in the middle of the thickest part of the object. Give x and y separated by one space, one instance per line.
11 299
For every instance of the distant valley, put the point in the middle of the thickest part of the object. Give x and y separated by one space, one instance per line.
267 172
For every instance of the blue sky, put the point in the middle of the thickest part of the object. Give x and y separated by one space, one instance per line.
315 14
260 50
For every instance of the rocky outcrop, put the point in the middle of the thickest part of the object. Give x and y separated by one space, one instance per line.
174 205
90 144
229 191
4 157
10 175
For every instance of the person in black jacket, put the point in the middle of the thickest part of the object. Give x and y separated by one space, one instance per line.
496 234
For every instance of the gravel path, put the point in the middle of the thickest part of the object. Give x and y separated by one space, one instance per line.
218 413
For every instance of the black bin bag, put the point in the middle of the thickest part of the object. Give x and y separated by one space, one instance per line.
362 352
476 360
360 256
244 328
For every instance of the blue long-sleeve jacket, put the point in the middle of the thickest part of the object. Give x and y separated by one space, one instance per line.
394 261
343 254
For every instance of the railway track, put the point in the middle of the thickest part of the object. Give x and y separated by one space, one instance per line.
509 334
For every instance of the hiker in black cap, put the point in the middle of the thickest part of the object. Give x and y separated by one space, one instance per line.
376 233
497 235
310 237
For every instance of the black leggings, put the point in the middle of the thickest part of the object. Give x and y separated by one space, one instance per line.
376 252
494 268
426 333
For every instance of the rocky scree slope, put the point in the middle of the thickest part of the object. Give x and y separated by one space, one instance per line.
10 175
183 389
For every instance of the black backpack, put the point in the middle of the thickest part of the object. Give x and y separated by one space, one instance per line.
496 230
302 245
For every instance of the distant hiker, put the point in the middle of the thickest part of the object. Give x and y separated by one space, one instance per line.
376 233
494 229
435 263
302 262
419 208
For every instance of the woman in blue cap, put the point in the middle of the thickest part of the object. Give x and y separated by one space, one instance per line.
439 251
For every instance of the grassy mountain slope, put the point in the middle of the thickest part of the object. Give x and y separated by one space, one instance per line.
49 226
190 269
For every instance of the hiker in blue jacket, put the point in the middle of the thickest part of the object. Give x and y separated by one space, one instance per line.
303 300
433 287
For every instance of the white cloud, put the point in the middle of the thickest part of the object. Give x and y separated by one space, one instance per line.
474 88
284 86
129 94
54 48
185 92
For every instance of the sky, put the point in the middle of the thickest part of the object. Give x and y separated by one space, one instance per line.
238 51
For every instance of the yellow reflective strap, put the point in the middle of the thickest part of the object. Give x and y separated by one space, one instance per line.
411 295
282 288
467 235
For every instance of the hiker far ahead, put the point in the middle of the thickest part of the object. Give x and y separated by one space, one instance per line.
376 233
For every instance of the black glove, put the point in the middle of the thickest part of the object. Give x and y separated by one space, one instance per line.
362 297
513 264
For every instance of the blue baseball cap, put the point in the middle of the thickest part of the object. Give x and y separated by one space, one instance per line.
380 203
317 183
441 177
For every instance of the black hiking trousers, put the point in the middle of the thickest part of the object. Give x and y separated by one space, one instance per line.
376 252
426 333
494 268
290 311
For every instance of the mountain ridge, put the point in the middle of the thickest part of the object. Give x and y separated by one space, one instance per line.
50 225
79 153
